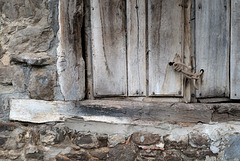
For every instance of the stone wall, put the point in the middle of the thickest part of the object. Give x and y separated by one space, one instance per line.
61 143
40 51
28 42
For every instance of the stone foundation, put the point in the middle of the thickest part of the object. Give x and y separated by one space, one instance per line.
60 141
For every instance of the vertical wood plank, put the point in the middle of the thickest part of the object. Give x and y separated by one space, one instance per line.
188 48
212 47
136 47
165 42
235 50
88 56
109 47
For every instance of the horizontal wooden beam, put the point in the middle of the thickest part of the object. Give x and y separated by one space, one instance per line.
122 112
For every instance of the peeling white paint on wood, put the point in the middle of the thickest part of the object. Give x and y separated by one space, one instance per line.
235 50
165 42
109 47
136 47
212 47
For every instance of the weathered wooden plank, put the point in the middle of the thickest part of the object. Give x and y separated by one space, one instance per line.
188 49
136 47
165 42
70 62
109 47
39 111
235 50
87 38
212 47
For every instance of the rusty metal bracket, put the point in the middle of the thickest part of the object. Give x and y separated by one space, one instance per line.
194 76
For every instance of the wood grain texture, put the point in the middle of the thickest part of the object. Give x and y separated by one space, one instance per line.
109 47
188 50
212 47
235 50
136 47
70 62
165 42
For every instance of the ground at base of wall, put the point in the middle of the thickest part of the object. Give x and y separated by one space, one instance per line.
65 142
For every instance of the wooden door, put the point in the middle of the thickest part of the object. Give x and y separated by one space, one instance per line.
132 43
212 47
165 42
108 19
235 50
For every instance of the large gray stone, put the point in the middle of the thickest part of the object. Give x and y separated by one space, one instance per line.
176 141
10 10
86 141
233 151
199 140
6 75
13 76
41 84
32 39
101 153
122 153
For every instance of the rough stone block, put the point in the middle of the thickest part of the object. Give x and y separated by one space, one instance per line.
35 59
101 153
123 153
233 151
199 140
52 136
1 51
13 75
145 139
6 75
86 141
10 10
3 140
79 155
115 140
172 155
16 139
41 84
196 153
33 39
102 141
33 152
176 141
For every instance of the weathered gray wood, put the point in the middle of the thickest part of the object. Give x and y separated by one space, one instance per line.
109 47
87 36
165 42
188 50
235 50
136 47
70 62
38 111
212 47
